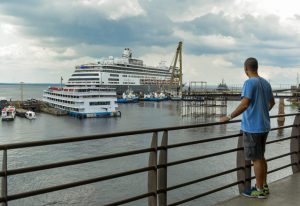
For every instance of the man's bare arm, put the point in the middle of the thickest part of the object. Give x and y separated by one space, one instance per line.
239 110
271 103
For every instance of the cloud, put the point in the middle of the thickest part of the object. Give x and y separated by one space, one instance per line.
109 8
218 35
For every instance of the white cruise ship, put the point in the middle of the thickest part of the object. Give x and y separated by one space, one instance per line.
92 89
122 74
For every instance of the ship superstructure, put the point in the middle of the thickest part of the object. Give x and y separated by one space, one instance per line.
122 73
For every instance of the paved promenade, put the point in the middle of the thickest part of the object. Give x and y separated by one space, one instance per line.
284 192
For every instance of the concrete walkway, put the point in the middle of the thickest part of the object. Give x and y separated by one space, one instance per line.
284 192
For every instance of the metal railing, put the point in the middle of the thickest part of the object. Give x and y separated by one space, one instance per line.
158 163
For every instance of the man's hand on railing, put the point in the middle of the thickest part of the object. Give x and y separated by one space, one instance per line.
225 119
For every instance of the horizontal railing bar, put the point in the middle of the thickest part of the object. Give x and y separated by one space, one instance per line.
280 140
284 127
118 134
131 199
275 170
200 157
206 193
276 157
74 184
280 156
280 168
201 179
203 141
285 115
104 136
74 162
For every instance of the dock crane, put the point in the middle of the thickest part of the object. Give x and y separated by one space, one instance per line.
176 77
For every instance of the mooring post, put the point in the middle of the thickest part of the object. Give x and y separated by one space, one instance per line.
152 174
281 119
162 172
295 145
244 174
4 178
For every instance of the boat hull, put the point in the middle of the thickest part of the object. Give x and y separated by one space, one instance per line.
7 118
94 115
126 101
153 99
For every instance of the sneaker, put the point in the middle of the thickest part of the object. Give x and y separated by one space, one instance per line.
266 189
253 192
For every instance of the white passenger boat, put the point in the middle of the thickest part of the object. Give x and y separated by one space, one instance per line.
30 115
82 102
8 113
128 97
176 97
155 97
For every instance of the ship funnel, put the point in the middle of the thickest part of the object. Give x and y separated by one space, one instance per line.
127 53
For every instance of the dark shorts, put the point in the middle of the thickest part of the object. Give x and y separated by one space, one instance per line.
255 145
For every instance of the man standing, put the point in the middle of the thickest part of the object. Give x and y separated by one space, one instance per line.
257 101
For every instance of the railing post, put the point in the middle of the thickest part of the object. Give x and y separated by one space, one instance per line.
245 174
295 145
4 178
152 174
162 172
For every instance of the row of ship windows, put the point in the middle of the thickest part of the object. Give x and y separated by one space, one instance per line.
133 68
88 74
115 82
121 70
113 79
137 69
70 102
86 70
74 79
62 95
99 103
143 73
97 96
85 83
66 108
142 67
134 76
120 65
126 72
128 82
86 96
96 90
60 100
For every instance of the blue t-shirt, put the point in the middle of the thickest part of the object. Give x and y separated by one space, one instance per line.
256 118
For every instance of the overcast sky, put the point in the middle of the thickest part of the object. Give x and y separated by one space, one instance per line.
41 40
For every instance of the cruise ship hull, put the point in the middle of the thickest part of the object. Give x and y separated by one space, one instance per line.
96 114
